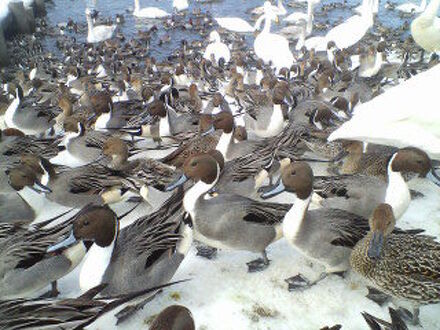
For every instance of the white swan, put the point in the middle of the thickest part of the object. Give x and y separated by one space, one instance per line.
180 5
234 24
412 8
98 33
270 47
353 29
425 29
308 16
279 9
217 48
405 115
148 12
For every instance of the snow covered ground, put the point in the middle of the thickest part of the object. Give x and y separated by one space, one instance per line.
223 295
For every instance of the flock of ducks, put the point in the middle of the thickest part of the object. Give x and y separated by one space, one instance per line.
203 142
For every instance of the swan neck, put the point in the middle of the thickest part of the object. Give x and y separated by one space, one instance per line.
137 6
431 8
267 24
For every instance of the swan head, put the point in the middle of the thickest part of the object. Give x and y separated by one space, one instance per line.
214 36
88 12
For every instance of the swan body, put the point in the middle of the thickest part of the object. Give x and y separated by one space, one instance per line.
217 48
234 24
353 29
412 8
405 115
272 48
425 29
98 33
148 12
180 5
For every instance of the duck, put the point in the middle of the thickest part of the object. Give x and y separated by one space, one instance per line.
81 147
353 29
404 123
217 49
146 253
412 8
245 225
226 144
76 187
234 24
325 235
425 28
350 192
269 121
174 317
26 265
29 119
371 61
98 33
64 313
402 266
148 12
180 5
270 47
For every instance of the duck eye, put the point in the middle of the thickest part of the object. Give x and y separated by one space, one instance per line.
194 164
293 173
86 222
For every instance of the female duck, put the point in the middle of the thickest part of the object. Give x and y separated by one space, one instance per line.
403 266
228 221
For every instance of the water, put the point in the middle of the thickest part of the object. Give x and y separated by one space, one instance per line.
61 10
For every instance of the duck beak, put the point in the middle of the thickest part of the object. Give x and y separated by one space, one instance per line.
275 190
69 241
209 131
177 183
434 177
91 118
40 188
375 247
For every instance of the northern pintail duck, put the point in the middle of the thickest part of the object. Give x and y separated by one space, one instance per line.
26 267
270 120
72 188
14 142
147 253
244 225
67 313
325 235
403 266
227 145
360 194
28 118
